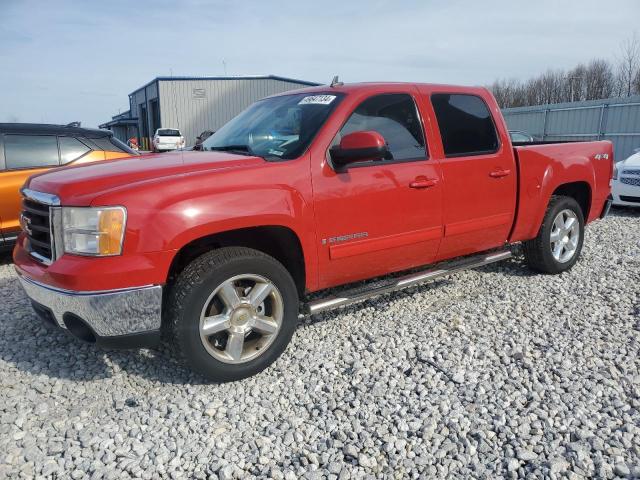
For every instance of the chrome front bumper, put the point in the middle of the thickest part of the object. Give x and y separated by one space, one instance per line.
113 313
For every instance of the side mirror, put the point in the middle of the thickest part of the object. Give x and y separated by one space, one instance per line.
359 146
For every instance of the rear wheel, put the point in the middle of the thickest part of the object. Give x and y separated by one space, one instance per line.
232 312
559 242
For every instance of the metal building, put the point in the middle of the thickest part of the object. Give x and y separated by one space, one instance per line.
123 126
195 104
615 119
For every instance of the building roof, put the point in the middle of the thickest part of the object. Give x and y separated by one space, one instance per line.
122 119
240 77
52 129
120 122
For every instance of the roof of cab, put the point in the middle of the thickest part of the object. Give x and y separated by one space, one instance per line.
373 87
52 129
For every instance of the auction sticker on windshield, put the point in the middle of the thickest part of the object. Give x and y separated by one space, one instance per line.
317 100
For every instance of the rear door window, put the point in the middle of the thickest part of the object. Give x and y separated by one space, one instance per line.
466 125
30 151
71 149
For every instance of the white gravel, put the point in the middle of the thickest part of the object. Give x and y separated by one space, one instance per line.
490 373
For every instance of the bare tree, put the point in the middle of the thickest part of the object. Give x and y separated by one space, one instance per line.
628 66
598 80
575 84
500 90
591 81
508 93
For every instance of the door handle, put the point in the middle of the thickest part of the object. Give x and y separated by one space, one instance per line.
499 173
422 182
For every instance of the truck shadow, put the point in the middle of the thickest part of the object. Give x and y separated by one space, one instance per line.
5 257
33 346
625 212
30 345
514 267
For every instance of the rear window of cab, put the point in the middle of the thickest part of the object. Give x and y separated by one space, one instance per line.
168 132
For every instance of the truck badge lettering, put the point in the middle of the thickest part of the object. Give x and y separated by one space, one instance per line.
344 238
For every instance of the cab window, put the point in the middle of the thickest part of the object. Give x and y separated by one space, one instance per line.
465 124
395 117
30 151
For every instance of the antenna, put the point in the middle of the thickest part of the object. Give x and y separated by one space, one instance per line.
336 82
175 101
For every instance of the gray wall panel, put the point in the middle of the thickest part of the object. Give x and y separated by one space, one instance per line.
615 119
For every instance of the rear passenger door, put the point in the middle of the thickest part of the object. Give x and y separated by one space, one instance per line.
24 155
480 178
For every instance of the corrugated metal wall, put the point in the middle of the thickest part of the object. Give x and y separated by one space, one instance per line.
615 119
196 105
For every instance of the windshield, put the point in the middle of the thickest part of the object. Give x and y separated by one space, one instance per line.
166 132
275 128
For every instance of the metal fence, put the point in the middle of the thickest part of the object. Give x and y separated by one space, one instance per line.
615 119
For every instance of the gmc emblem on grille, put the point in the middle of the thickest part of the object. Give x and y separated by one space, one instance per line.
25 223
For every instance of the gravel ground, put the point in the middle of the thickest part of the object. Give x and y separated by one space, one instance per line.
490 373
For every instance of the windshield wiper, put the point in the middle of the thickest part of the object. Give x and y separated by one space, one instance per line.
242 149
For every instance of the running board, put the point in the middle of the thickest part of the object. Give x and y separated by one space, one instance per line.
363 293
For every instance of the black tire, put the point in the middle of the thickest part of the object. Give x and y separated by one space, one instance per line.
538 252
192 289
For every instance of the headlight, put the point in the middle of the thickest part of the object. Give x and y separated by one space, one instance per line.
93 231
615 171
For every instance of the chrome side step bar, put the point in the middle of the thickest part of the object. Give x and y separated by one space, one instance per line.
363 293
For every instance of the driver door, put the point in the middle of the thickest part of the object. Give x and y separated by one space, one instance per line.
379 216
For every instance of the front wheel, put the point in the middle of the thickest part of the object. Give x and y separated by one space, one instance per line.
559 242
231 313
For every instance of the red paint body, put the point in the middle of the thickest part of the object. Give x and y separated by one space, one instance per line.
413 213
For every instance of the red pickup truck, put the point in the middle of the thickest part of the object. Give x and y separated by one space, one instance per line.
218 250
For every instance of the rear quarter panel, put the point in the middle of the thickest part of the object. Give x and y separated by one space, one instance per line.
544 168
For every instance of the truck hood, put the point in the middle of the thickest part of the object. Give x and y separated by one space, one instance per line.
79 185
632 161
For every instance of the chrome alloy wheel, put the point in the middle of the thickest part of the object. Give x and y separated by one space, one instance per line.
241 318
565 236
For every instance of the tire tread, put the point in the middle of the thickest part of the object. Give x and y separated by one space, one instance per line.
535 250
186 281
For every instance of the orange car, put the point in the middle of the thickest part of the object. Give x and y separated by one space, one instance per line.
26 149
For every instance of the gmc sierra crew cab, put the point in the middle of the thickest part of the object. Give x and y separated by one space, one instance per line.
216 252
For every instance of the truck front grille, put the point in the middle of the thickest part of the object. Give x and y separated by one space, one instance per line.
36 223
626 198
630 181
631 172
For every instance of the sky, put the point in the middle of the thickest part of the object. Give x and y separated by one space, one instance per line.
68 60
